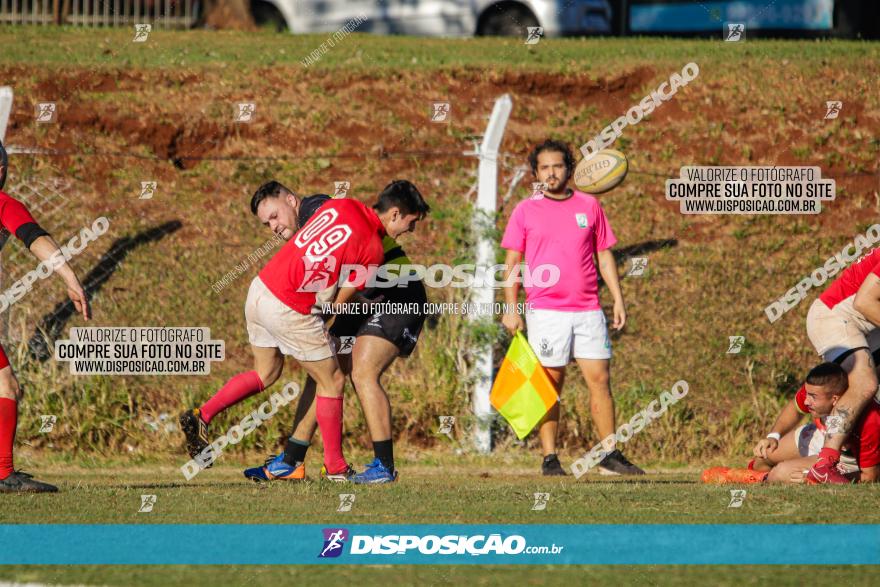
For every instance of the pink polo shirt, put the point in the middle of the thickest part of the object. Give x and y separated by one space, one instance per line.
566 234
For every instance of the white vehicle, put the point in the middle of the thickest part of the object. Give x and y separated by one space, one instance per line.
438 17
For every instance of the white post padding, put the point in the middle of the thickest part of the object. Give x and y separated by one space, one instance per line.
484 294
5 110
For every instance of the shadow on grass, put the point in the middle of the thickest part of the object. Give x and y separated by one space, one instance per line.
53 323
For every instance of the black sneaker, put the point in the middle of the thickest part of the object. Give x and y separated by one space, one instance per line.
196 432
617 464
20 481
551 466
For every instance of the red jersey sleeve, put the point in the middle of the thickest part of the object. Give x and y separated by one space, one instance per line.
16 219
869 438
13 213
800 400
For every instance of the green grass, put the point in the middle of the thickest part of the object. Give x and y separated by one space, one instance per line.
433 490
89 48
441 575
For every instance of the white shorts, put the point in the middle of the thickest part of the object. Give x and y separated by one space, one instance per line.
271 323
558 336
835 331
810 441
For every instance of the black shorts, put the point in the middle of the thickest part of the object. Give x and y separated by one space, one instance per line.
401 329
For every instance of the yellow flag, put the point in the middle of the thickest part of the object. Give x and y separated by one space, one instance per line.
523 391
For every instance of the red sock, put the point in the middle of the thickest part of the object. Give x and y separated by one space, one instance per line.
832 455
8 422
237 389
328 412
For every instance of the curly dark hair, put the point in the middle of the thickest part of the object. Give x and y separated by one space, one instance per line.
552 145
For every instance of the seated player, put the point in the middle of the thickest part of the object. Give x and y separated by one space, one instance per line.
379 338
798 449
788 452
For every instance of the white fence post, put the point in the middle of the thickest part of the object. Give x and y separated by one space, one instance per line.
484 294
5 109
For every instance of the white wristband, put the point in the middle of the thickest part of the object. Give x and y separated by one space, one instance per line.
775 436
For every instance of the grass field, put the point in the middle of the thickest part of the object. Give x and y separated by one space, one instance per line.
435 489
161 111
436 576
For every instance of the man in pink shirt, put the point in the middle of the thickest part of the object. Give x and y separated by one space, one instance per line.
566 228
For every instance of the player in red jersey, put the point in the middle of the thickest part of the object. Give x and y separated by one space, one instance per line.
16 219
839 324
284 307
788 457
790 449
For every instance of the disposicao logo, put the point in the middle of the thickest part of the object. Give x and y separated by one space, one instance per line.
334 541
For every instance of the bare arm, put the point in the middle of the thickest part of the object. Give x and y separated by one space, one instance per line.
45 249
867 300
608 270
788 418
511 320
345 294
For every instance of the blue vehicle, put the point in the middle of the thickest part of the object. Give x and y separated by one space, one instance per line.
778 18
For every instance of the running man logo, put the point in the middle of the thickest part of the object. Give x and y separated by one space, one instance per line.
737 496
541 500
141 32
334 541
346 344
245 112
833 108
147 503
534 34
447 423
341 188
736 344
538 190
46 112
346 500
47 423
317 273
637 269
735 32
440 111
148 189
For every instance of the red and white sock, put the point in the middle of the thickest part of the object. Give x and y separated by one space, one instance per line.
237 389
8 423
328 412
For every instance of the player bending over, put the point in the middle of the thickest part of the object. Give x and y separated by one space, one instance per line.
379 338
283 311
15 219
839 325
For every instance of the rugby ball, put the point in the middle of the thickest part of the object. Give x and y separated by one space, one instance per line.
601 172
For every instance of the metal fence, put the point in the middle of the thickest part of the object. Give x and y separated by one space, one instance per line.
167 14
